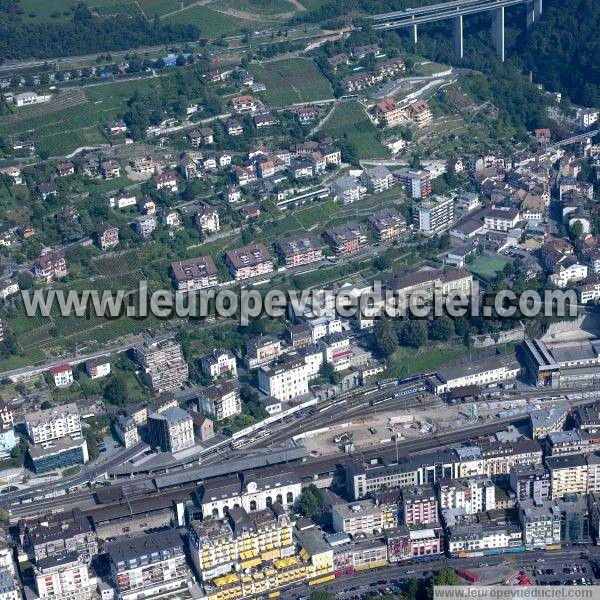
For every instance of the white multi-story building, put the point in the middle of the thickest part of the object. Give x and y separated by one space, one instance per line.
171 430
541 524
162 362
53 423
501 218
8 587
473 495
363 517
63 375
251 492
219 362
286 380
146 565
63 577
220 401
433 215
127 431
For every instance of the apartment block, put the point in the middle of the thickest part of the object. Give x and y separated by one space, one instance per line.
147 565
63 576
541 524
419 506
171 430
194 274
286 380
164 367
218 363
433 215
363 517
346 239
220 401
262 350
301 249
568 474
416 182
387 224
249 261
53 423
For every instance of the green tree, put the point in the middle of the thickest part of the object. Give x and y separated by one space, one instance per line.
386 338
441 328
413 333
115 391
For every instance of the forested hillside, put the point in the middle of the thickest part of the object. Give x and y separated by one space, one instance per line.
84 33
563 50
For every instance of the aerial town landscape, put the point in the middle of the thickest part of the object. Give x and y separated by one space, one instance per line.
299 299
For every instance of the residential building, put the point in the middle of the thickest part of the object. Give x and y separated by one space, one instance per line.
220 401
389 112
65 169
8 288
127 431
378 179
416 182
58 454
348 189
97 367
365 517
473 495
244 104
545 421
219 362
429 282
241 542
262 350
8 586
433 215
419 112
530 482
110 169
166 181
207 219
346 239
162 362
50 266
171 430
387 224
63 576
147 565
568 474
107 236
144 165
194 274
249 261
286 380
501 218
53 423
541 524
62 375
301 249
419 506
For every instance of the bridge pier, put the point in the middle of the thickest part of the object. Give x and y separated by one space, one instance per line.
457 37
498 31
414 36
534 11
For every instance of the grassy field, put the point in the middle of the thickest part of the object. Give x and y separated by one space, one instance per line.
487 267
291 81
258 7
350 122
73 118
210 22
56 10
406 361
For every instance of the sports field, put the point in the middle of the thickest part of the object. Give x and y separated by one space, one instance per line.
487 267
291 81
